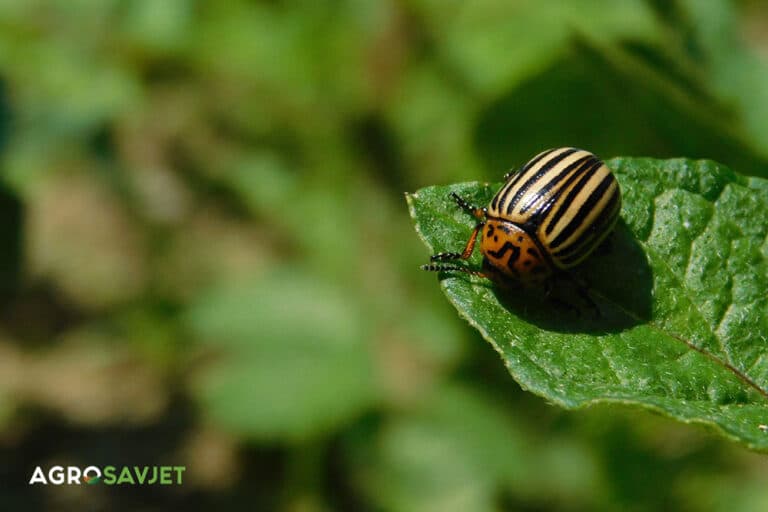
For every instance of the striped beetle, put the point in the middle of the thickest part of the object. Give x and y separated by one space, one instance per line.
547 217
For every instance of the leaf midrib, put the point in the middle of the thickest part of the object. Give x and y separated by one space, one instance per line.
725 363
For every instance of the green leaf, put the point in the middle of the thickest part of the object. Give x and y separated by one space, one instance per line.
459 451
494 43
734 71
680 288
450 454
293 359
660 110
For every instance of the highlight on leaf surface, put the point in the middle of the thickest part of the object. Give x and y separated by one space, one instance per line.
681 290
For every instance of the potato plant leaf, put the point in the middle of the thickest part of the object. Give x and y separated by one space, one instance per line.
679 323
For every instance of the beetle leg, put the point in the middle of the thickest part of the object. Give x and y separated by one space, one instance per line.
584 294
475 211
563 304
453 268
464 255
582 289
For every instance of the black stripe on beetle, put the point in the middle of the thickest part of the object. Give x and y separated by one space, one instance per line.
531 182
571 171
586 208
566 204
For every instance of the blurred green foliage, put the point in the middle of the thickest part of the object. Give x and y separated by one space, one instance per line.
208 259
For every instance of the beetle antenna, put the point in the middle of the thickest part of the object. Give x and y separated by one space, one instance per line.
475 211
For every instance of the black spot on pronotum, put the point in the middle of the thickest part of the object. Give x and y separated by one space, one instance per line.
513 257
508 246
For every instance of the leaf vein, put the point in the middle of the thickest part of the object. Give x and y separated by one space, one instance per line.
727 363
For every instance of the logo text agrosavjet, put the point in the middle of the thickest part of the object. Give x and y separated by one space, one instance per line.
109 475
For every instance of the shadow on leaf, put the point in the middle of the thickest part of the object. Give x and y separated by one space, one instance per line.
616 294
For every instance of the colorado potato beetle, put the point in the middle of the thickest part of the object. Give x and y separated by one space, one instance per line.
548 217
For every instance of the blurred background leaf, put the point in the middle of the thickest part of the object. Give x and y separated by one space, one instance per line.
296 367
